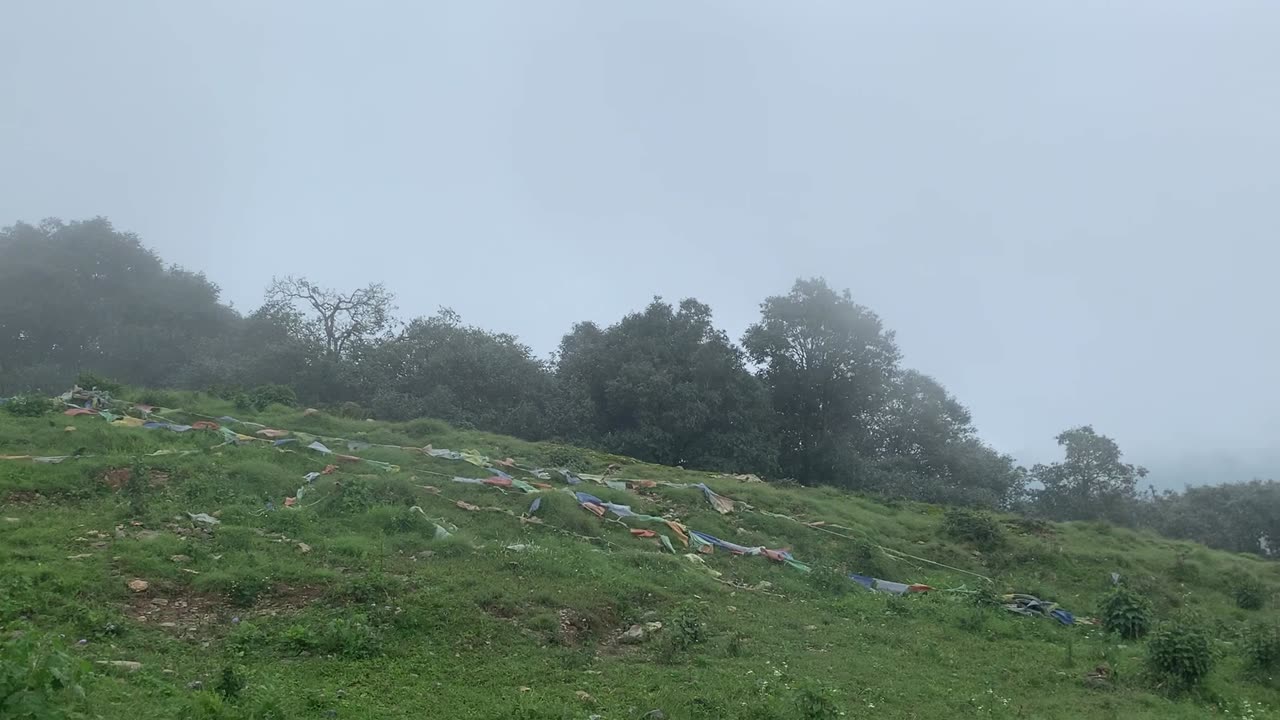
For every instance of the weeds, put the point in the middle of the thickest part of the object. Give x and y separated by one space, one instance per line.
39 680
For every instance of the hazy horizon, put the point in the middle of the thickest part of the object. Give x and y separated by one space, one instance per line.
1065 211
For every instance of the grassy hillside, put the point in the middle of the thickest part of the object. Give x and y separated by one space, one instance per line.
354 604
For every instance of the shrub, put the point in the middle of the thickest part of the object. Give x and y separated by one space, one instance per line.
38 680
1262 647
265 395
160 399
244 591
28 405
1127 613
815 701
1249 593
829 581
243 402
568 457
976 528
1179 655
353 411
355 496
93 381
688 626
230 683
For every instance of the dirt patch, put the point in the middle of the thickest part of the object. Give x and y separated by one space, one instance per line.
185 615
196 616
23 497
116 478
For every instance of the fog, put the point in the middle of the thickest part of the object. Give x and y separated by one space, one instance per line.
1065 210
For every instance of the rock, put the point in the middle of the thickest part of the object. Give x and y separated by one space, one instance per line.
653 626
80 556
13 520
69 428
180 558
654 715
584 696
126 665
195 685
138 586
304 548
310 411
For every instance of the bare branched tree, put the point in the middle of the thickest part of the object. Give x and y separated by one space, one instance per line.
338 319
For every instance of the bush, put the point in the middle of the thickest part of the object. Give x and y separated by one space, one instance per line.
28 405
353 411
355 496
1127 613
976 528
1262 647
815 701
38 680
688 626
266 395
93 381
1179 655
1249 593
160 399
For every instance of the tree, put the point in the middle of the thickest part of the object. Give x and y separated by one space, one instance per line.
339 320
1240 517
1091 483
440 368
828 364
664 385
83 296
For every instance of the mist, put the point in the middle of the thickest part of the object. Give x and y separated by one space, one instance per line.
1064 211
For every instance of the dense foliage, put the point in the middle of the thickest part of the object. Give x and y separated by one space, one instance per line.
815 392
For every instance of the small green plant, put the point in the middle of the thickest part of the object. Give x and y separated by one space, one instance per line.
815 701
976 528
1179 655
230 683
243 402
38 680
1262 647
28 406
244 591
830 581
1184 569
1249 593
688 626
867 559
356 496
736 644
135 489
1126 613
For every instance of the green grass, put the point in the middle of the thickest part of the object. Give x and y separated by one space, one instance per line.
379 619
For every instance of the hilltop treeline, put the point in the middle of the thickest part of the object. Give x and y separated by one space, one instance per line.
814 391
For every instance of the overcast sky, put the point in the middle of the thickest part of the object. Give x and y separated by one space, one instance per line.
1069 212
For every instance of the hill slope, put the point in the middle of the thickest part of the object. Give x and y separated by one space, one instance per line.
390 590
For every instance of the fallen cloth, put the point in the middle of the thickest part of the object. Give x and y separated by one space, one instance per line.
888 586
1034 606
